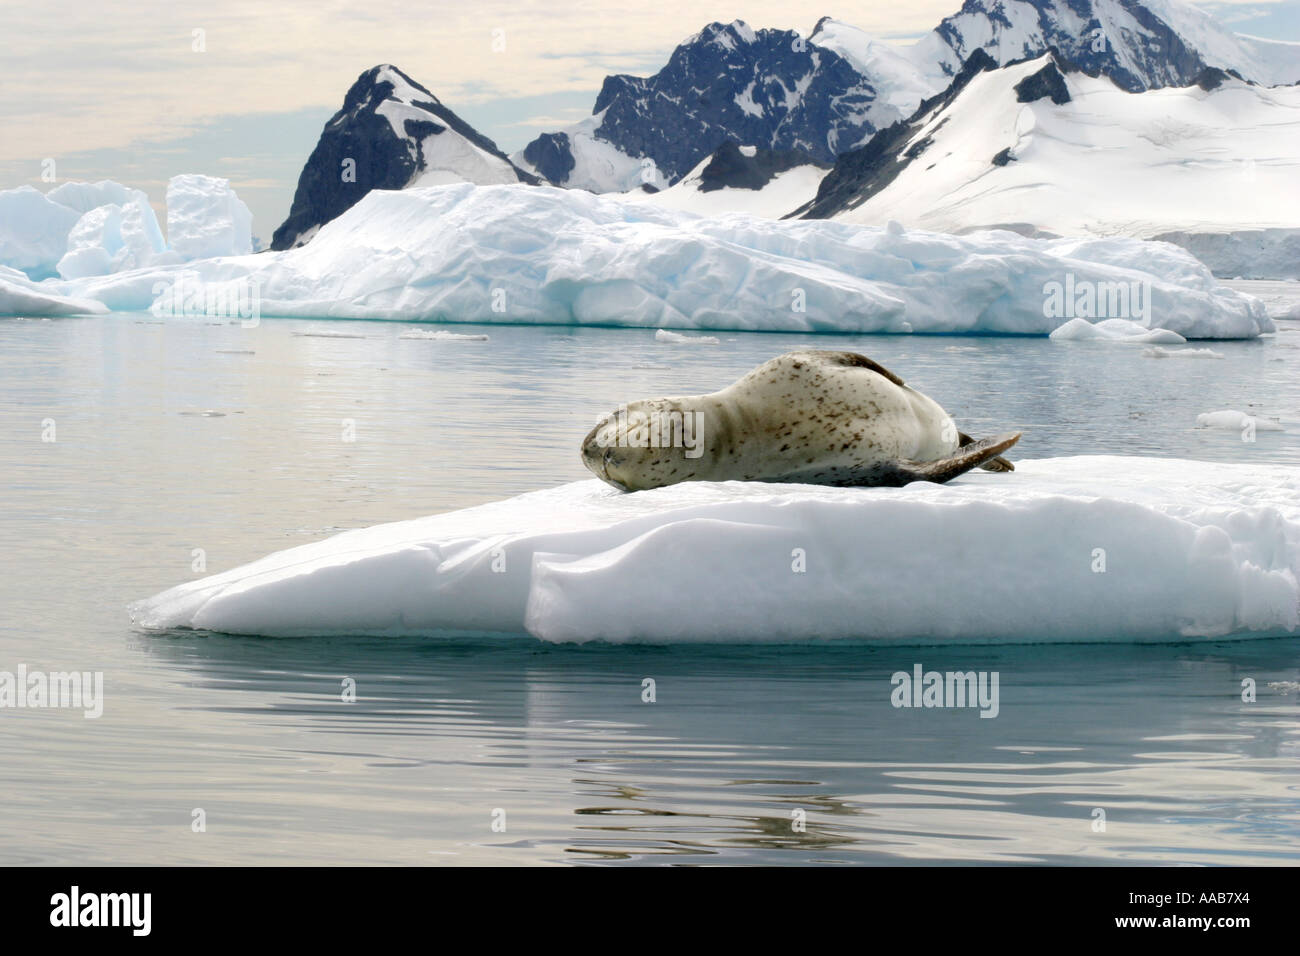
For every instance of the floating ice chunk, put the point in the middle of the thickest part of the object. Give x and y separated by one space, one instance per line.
205 219
1233 420
1088 549
676 338
1156 352
442 335
1114 330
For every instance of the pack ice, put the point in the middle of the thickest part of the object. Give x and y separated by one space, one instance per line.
537 254
1083 549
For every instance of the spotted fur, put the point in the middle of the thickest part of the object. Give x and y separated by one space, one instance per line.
818 417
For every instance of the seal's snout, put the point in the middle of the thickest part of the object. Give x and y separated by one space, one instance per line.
596 449
605 452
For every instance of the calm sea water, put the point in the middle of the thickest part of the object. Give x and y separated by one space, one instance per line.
196 435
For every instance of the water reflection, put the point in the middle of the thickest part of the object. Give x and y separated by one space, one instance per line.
741 742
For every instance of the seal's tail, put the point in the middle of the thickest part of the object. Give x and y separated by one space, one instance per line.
993 464
984 452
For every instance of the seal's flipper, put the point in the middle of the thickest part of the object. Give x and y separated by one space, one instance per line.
945 469
993 464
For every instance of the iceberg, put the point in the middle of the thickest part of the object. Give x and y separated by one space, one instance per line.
205 219
85 230
33 231
113 237
20 296
537 254
1079 549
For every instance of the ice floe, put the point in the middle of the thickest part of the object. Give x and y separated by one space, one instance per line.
1070 549
1232 420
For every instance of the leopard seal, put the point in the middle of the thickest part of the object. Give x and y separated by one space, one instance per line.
818 417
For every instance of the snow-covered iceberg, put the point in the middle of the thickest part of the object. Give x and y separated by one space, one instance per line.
1067 549
534 254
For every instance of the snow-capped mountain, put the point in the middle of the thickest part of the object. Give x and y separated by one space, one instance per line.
1140 44
748 179
768 88
390 134
828 93
1040 146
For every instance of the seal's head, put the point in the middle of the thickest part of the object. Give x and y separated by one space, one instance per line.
646 444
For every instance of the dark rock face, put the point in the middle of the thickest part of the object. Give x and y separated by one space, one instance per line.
768 88
730 168
550 154
1046 82
861 173
1003 157
1211 78
1136 60
383 160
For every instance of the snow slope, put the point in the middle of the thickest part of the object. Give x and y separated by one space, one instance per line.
1187 550
745 179
538 254
1176 160
580 159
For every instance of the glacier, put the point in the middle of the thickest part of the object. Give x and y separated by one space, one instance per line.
1077 549
539 254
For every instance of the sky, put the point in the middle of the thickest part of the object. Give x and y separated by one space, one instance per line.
241 88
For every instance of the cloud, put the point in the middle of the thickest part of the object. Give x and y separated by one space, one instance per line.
80 77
